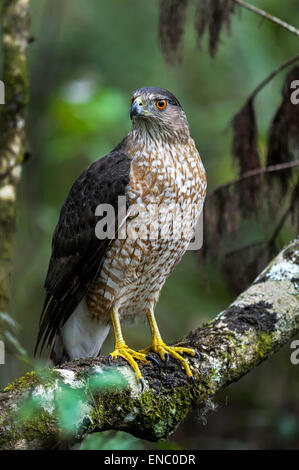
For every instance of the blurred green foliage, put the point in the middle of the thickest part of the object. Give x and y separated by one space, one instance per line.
87 58
9 332
67 401
111 441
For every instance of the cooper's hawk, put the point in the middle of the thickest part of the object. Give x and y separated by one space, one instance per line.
92 281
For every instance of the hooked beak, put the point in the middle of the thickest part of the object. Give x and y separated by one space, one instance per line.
136 108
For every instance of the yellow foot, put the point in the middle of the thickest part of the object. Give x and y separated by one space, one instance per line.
165 351
130 355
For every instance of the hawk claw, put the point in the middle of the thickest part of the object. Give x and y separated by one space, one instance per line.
197 355
192 379
129 355
153 360
164 351
166 359
141 381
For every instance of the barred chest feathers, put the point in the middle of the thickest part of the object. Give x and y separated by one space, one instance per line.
163 173
135 270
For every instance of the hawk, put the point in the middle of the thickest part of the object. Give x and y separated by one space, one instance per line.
95 282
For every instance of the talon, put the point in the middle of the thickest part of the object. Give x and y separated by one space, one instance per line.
130 356
197 355
152 359
192 379
141 381
159 347
166 359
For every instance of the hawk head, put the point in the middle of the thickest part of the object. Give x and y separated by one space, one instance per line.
156 110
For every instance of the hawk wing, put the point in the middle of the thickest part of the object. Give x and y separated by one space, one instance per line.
77 254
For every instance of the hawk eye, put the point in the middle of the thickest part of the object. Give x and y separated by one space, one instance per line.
161 104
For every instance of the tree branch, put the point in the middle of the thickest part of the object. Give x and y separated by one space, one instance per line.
256 172
251 329
268 16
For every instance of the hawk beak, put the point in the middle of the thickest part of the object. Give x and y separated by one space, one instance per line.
136 108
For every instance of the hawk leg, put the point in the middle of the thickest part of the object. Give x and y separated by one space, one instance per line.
122 350
158 346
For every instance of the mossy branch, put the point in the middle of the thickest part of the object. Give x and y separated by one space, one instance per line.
15 37
251 329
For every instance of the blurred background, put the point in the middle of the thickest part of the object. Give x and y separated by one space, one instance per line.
86 59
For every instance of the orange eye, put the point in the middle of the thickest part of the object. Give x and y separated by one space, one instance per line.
161 104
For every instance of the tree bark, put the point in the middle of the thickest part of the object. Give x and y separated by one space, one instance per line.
261 320
15 37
